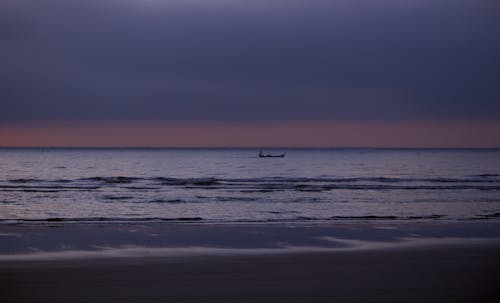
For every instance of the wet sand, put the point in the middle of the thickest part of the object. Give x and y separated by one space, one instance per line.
456 272
461 274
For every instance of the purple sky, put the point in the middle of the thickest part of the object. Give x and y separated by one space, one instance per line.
415 65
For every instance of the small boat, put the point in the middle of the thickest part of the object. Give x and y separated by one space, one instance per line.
262 155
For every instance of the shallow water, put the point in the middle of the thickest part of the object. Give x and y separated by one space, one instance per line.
234 185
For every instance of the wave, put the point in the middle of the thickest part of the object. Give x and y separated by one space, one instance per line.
490 216
232 199
187 181
145 188
45 188
340 218
322 188
89 220
487 175
275 212
484 182
481 178
109 197
173 201
111 180
101 220
23 180
49 187
297 219
373 217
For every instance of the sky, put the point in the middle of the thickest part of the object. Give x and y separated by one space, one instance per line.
252 73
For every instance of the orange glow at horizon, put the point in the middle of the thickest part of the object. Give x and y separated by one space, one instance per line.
253 134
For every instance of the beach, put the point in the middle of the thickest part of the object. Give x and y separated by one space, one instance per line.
191 225
363 262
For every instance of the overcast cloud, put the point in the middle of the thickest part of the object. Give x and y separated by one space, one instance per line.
249 60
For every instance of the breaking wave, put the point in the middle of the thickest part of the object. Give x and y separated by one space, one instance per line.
268 184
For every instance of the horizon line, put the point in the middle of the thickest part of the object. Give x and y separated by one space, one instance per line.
250 147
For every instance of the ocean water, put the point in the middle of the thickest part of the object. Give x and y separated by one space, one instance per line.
235 185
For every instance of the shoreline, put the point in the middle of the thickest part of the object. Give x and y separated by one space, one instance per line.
24 242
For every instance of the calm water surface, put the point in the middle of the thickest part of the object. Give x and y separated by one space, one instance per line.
234 185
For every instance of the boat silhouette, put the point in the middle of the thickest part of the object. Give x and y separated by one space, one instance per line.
262 155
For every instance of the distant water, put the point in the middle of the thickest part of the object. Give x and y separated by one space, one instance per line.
234 185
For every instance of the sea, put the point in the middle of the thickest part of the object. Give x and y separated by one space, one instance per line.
48 185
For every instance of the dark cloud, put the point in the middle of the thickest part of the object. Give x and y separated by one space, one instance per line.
249 60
